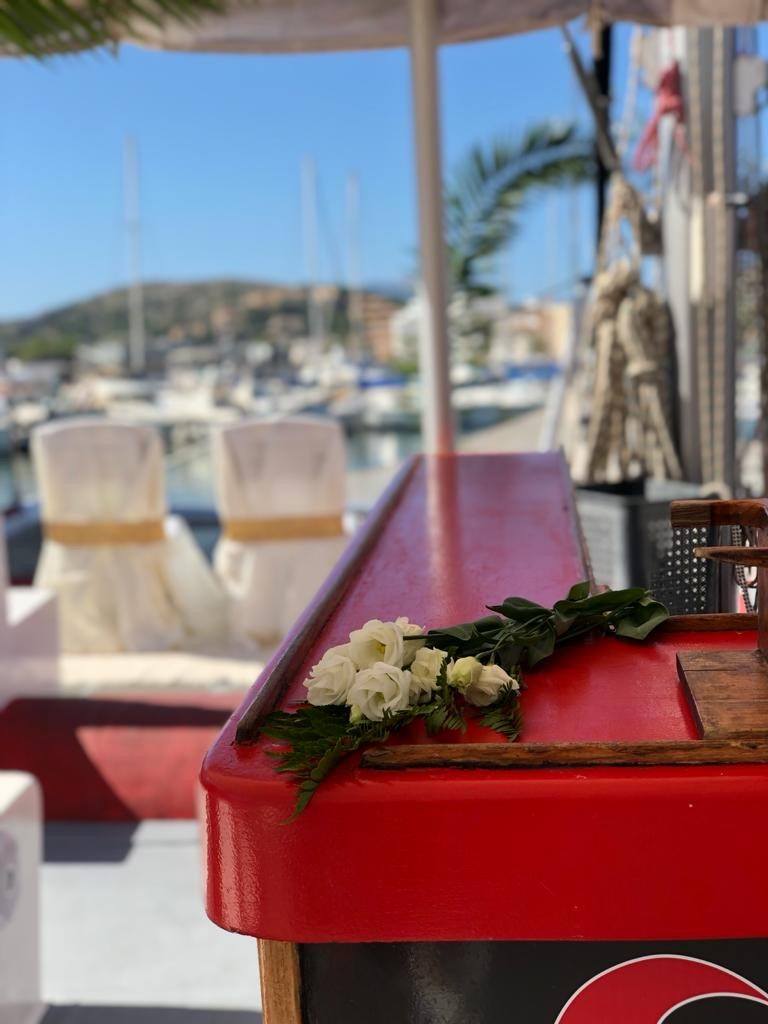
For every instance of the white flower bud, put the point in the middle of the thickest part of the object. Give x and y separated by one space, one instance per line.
488 685
464 672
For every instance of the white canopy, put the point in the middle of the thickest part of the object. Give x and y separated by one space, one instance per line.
284 26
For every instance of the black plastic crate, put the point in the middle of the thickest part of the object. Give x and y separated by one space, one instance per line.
631 543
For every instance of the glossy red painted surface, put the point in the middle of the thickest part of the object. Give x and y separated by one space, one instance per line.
423 854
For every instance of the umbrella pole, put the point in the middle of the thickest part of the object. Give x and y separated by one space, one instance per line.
436 416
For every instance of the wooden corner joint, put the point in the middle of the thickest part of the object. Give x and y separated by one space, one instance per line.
752 512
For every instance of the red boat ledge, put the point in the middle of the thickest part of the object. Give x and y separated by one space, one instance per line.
672 852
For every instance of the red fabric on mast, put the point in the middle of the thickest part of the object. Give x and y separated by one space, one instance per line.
669 100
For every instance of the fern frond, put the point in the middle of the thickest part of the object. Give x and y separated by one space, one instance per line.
490 187
504 715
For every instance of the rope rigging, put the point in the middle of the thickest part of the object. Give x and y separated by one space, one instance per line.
629 334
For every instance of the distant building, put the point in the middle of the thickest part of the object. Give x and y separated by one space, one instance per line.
269 296
377 312
488 329
105 356
532 329
404 331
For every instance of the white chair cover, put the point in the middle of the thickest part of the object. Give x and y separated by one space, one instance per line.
276 469
121 597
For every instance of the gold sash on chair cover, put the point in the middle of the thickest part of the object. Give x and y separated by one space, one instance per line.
145 531
284 528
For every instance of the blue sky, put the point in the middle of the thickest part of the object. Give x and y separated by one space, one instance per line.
221 140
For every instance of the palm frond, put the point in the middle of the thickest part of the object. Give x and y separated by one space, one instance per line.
42 28
489 188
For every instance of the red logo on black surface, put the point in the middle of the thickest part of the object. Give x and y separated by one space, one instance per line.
666 989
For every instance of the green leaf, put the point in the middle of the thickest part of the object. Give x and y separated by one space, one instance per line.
463 632
640 620
508 656
42 28
579 591
540 645
570 609
519 609
487 194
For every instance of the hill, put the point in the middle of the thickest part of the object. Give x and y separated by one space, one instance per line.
194 312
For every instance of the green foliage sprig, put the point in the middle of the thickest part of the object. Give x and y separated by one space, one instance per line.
519 635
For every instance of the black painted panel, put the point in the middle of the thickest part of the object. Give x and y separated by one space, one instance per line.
720 1010
514 982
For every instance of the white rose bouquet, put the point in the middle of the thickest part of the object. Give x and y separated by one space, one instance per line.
390 674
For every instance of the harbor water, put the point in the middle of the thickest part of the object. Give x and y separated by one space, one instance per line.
189 476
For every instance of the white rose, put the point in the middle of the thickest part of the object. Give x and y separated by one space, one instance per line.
341 649
376 641
330 680
410 630
485 690
464 672
424 672
380 688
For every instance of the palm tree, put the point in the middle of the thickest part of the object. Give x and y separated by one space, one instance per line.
489 189
41 28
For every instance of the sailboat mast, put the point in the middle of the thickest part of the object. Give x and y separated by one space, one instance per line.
309 221
355 295
137 341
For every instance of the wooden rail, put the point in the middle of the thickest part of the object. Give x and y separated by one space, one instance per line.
565 755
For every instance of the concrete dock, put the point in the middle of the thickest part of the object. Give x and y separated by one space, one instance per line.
125 937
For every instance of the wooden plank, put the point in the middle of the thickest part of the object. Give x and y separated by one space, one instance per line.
714 622
734 554
728 692
566 755
711 686
733 718
721 661
278 676
280 976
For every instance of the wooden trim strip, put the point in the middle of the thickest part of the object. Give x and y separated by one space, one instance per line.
284 528
280 976
278 676
565 755
714 622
